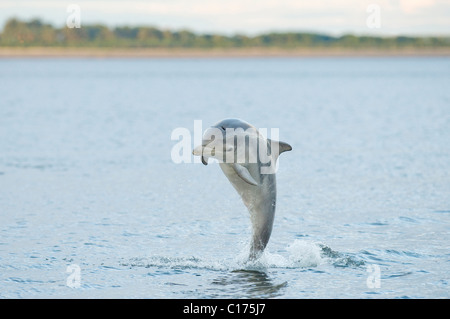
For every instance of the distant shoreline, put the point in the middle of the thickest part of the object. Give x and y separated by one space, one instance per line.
87 52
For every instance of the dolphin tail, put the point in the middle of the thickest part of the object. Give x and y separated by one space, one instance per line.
259 242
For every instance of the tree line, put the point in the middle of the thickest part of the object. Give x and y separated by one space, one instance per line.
35 32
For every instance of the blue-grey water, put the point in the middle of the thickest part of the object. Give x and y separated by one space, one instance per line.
92 204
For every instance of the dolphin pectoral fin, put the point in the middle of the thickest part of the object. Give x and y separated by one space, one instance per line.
243 173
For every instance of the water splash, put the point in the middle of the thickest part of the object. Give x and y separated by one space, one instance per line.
306 254
299 254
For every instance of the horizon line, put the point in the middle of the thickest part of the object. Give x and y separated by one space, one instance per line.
235 33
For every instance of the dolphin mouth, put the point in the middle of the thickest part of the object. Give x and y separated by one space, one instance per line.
207 150
199 150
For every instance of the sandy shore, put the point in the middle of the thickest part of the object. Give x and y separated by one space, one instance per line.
40 52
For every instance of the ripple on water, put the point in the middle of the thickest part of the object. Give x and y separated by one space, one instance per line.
338 259
174 263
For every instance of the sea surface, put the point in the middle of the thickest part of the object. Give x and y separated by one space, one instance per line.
94 205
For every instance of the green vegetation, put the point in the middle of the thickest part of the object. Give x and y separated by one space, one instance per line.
35 33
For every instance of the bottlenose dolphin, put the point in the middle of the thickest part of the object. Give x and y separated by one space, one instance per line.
248 160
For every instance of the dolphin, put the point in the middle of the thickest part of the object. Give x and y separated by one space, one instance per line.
248 160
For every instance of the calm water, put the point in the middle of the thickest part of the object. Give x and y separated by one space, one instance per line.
92 205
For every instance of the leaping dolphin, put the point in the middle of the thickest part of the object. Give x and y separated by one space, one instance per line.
248 160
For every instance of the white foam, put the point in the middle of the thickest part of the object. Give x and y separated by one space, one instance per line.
305 254
300 254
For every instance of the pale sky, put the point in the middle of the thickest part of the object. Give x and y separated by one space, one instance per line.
335 17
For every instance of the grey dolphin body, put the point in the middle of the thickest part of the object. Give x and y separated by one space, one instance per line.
247 160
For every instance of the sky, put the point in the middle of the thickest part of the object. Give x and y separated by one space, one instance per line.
334 17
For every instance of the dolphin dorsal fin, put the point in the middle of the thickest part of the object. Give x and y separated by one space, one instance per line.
243 173
282 146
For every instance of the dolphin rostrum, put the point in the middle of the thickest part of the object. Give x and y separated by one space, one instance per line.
248 160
